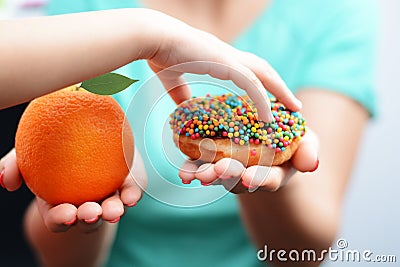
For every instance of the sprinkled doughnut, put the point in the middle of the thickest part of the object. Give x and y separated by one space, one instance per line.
214 127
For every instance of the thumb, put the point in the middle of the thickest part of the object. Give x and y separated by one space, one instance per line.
10 177
305 159
173 82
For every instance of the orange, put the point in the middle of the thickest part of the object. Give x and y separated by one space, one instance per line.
73 146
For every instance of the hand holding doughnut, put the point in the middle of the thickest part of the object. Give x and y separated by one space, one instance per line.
227 126
224 136
238 179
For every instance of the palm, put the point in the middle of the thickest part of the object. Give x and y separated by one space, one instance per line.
238 179
90 215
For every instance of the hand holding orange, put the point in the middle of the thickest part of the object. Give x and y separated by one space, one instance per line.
74 146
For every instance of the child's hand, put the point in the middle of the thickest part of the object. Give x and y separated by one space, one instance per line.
236 178
88 216
118 37
202 53
12 179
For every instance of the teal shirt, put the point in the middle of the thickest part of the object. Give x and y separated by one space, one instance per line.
311 43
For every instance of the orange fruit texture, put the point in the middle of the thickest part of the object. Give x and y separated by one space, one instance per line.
74 146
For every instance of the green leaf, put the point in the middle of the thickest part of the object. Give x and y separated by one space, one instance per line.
108 84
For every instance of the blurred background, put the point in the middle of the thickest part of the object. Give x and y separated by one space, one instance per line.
371 217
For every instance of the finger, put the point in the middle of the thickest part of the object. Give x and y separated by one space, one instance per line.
266 178
233 185
176 87
89 212
271 80
229 172
206 174
256 91
187 171
243 77
305 158
113 209
130 192
10 177
89 217
174 83
227 168
58 218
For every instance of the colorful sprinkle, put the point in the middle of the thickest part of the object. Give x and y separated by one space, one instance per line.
235 117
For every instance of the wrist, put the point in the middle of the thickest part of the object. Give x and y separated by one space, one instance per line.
149 33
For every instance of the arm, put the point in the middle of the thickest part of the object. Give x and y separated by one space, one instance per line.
48 53
94 239
44 54
305 213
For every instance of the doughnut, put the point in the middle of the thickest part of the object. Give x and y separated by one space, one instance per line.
226 126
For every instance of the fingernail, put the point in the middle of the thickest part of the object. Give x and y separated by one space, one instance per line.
186 182
205 184
91 220
70 222
247 186
299 104
266 116
224 177
1 178
115 220
316 166
132 204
